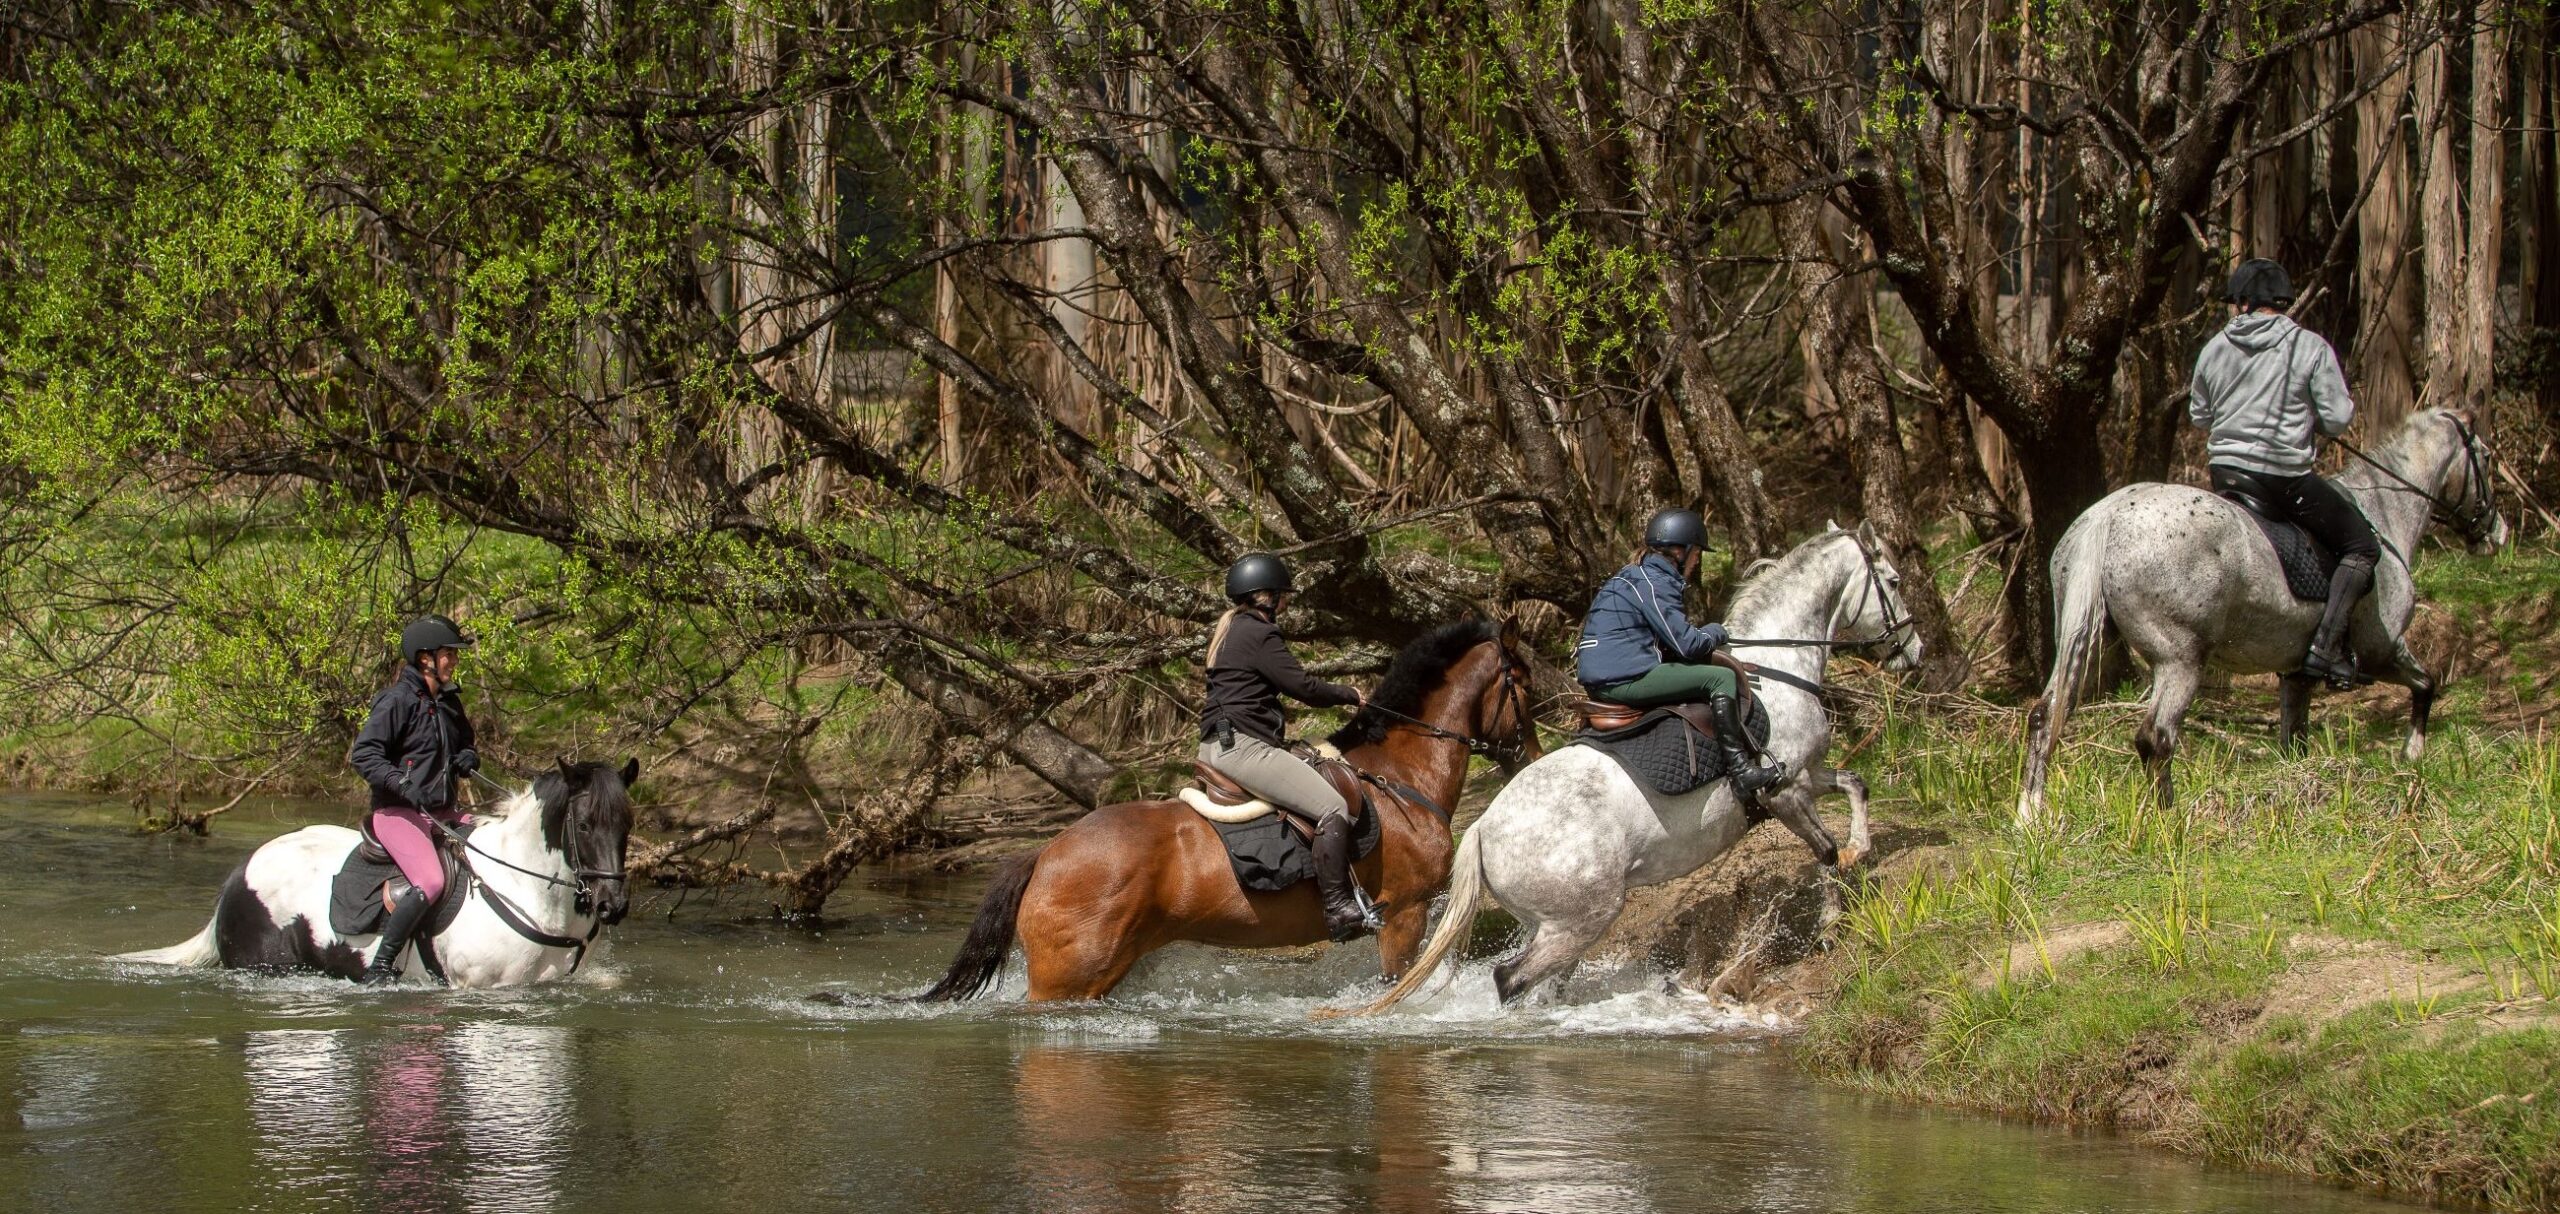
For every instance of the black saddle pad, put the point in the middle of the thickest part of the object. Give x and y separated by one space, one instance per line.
1269 855
1663 753
2307 565
355 894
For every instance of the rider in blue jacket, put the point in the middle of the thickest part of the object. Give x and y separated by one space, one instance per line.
1639 649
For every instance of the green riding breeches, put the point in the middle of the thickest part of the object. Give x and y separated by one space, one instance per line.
1671 683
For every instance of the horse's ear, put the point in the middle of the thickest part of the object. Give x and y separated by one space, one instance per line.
563 765
1509 634
1830 525
2462 415
1867 533
631 772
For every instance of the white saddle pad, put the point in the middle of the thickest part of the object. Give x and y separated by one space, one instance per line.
1230 814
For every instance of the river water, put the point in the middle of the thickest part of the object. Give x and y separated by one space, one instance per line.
688 1071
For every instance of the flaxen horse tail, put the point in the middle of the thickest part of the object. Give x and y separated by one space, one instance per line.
2079 645
990 936
1466 893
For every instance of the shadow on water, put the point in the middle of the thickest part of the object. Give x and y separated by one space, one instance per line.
692 1073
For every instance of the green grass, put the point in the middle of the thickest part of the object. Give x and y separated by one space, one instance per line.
2444 1089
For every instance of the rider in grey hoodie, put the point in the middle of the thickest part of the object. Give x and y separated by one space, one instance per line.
2267 388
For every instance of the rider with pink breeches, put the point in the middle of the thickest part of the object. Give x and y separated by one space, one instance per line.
415 750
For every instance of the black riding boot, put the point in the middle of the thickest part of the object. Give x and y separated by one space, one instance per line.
1345 916
1743 766
397 926
2329 659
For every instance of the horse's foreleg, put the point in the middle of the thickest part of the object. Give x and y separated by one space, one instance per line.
2293 703
1854 787
1793 805
2173 688
1400 937
2406 671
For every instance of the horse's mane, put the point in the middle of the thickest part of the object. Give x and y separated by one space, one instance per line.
1418 670
611 806
1761 586
2394 451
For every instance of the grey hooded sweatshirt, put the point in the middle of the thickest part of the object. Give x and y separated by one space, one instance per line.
2261 386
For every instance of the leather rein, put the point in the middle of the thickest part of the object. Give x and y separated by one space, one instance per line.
1506 753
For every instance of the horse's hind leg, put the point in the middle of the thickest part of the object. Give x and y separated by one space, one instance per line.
2173 688
1555 947
2293 702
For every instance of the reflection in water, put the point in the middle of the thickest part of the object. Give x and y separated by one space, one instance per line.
302 1102
517 1112
428 1118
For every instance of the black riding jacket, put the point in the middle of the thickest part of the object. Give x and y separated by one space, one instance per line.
1248 674
407 746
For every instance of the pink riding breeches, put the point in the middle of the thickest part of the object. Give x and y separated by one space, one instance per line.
411 840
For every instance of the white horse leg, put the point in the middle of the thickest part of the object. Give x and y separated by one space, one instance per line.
2173 688
2406 671
1853 786
1555 947
1792 804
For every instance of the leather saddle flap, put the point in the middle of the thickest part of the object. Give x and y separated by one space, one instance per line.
1220 789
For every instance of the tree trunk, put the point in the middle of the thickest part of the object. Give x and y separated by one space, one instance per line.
2440 218
1836 329
2489 47
2386 284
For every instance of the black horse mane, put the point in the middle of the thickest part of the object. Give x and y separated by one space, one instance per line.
553 789
1418 670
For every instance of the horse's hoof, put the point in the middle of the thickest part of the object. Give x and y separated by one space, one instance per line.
1850 855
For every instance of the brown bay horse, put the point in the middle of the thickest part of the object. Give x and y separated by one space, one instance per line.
1128 879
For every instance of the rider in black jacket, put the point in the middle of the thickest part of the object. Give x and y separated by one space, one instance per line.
414 751
1243 732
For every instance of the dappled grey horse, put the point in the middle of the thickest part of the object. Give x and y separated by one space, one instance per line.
2190 582
1563 842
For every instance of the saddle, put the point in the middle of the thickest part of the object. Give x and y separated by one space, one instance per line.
1670 749
2307 564
369 882
1269 848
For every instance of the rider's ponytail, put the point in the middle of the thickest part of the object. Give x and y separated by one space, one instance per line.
1218 638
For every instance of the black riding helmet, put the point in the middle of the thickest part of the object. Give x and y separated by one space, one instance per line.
429 633
1256 573
2259 281
1676 529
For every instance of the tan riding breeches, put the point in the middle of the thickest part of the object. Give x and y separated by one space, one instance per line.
1276 776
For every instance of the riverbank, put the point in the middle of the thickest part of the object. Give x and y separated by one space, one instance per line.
2337 964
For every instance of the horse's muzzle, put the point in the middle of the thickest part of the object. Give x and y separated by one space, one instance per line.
2489 544
613 899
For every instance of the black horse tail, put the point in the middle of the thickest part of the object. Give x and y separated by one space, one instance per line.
990 936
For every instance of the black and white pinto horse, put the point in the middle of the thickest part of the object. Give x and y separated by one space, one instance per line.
544 878
2190 582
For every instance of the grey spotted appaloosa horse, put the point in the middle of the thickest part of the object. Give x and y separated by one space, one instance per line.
2191 582
1563 842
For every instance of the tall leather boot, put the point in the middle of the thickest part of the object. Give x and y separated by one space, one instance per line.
2329 660
397 926
1345 917
1744 767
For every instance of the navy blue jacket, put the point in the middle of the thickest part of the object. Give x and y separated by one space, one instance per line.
1639 620
407 746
